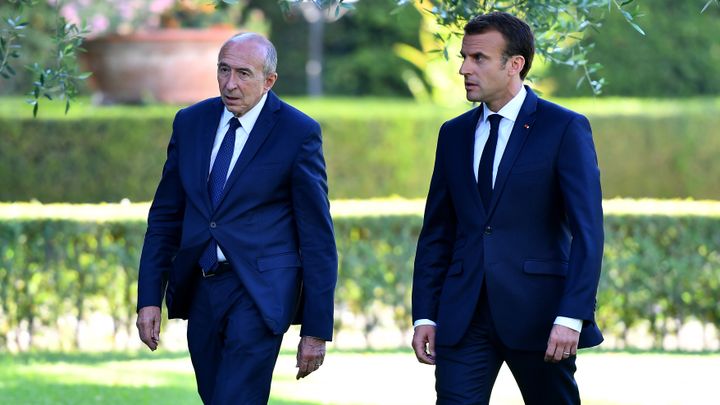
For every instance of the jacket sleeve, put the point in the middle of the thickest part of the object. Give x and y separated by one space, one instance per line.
437 237
579 179
311 209
162 237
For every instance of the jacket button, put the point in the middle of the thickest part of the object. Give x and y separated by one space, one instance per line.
488 230
213 225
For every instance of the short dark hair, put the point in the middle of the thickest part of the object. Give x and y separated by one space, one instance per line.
518 36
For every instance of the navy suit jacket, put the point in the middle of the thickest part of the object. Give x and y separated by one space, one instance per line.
538 246
273 222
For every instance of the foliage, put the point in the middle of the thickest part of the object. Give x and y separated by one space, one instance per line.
111 153
559 25
126 16
660 265
680 56
58 80
437 81
59 77
357 57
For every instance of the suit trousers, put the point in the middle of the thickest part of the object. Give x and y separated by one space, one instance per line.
232 350
465 373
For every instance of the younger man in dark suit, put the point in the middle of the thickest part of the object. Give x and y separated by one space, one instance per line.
508 259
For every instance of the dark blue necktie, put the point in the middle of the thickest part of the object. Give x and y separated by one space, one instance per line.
216 183
485 168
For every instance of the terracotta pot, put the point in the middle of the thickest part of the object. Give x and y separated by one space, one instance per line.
168 65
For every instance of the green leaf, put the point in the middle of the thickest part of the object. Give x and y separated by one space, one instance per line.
10 70
4 75
84 75
67 107
706 6
637 27
35 110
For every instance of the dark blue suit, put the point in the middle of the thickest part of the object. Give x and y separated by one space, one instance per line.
272 224
507 270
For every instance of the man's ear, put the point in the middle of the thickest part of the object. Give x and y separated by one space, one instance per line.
270 81
516 65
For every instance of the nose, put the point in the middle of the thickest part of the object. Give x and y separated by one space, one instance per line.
463 69
232 81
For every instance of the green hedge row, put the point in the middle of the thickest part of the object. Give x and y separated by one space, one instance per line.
660 269
373 149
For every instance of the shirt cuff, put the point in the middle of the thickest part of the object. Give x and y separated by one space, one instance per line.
572 323
421 322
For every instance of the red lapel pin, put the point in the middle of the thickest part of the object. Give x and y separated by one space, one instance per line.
526 126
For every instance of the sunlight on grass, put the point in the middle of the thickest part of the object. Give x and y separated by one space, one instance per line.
347 378
350 107
340 208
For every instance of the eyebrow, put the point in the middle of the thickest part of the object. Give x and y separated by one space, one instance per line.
240 69
473 55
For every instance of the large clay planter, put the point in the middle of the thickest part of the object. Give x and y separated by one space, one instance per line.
168 65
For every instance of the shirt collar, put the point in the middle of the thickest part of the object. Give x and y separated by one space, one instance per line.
509 110
248 119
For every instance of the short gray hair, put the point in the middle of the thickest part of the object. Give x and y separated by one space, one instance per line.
270 64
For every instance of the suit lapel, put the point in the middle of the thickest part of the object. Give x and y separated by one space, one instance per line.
263 126
521 129
468 149
207 129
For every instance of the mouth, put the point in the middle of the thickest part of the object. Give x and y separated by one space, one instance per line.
230 98
470 86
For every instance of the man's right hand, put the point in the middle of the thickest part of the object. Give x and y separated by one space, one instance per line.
148 324
424 343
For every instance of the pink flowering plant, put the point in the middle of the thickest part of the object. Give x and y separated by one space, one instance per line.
123 16
126 16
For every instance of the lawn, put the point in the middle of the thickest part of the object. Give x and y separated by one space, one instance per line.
347 378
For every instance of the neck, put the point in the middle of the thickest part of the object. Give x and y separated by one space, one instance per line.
512 90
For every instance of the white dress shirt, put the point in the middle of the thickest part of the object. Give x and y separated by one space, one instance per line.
247 122
509 113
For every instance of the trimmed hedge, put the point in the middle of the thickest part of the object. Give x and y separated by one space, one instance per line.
658 149
661 264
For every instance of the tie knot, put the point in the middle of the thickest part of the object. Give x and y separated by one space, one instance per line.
494 120
234 124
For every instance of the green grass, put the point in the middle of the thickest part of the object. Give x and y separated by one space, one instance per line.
114 378
340 208
389 377
346 107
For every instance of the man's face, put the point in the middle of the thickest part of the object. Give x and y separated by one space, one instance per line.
240 75
487 78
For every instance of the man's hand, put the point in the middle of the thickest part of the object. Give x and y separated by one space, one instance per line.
563 343
148 324
310 355
424 344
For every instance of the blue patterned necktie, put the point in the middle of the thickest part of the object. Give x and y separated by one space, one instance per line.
216 184
485 168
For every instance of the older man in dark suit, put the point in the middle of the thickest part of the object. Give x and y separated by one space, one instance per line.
239 238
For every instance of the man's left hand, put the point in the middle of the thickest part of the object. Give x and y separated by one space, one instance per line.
310 355
563 343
